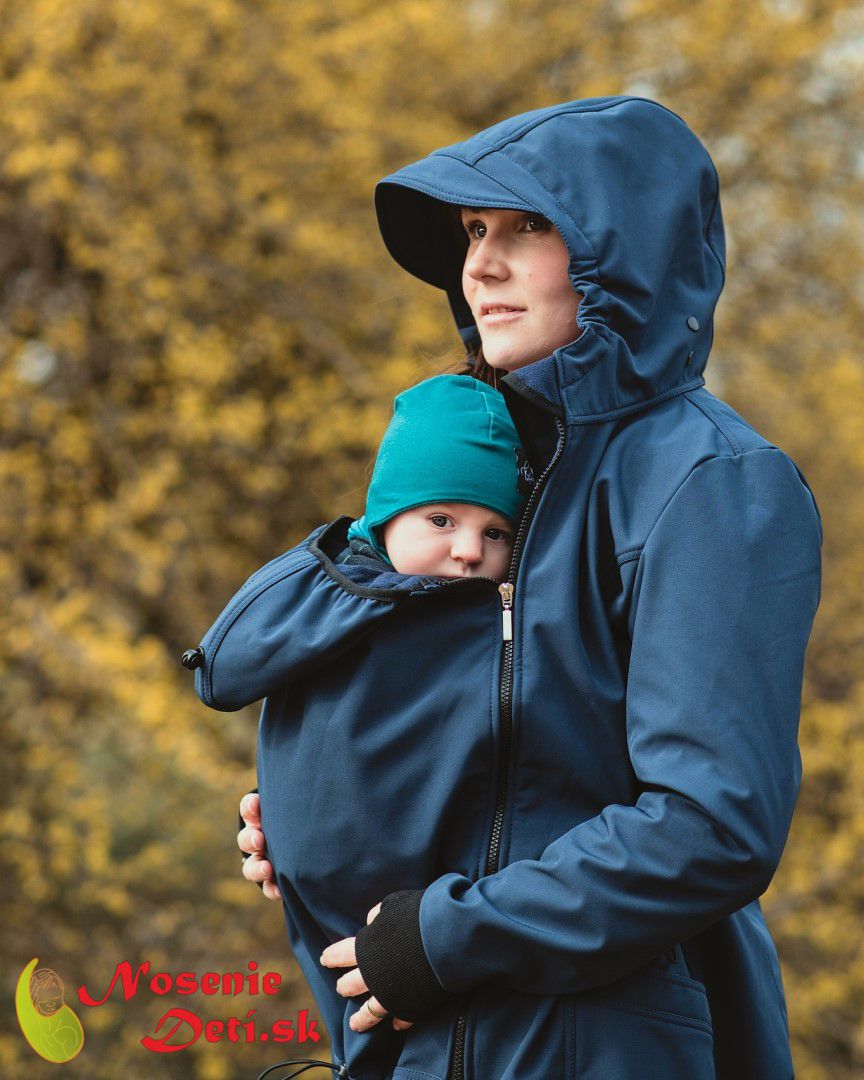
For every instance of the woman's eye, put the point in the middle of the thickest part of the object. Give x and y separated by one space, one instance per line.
541 222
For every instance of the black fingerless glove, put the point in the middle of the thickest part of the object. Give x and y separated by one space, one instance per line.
393 962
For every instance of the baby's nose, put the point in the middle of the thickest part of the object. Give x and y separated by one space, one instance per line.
467 547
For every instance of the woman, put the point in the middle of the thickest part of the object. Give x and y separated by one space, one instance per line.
600 918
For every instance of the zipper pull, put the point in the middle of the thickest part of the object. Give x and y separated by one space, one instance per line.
506 591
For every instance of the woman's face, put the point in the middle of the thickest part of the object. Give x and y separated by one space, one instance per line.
518 260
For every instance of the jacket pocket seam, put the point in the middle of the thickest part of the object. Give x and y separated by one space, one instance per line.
657 1014
682 980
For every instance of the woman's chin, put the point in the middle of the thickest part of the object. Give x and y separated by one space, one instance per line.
508 359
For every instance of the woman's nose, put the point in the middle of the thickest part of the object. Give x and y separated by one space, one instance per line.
486 259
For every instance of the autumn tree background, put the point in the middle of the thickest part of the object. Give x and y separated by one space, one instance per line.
200 338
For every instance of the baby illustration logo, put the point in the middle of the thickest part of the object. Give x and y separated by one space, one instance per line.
51 1028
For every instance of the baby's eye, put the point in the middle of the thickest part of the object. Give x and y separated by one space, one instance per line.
502 534
440 520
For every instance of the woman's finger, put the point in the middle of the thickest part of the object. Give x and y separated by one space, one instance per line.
271 890
351 984
250 809
340 954
250 840
256 868
371 1012
373 912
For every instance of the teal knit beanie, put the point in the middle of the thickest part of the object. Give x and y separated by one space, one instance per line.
451 439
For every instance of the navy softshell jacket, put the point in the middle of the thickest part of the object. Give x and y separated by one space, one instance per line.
589 810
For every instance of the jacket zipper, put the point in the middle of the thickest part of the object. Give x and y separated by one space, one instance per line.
506 590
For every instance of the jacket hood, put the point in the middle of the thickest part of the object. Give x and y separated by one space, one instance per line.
635 196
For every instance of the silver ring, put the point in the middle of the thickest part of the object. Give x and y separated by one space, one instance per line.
378 1016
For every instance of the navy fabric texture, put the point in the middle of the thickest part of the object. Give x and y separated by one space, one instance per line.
593 808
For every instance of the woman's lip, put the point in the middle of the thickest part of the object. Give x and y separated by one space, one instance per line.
502 316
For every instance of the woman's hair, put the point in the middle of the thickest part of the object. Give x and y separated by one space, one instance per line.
475 364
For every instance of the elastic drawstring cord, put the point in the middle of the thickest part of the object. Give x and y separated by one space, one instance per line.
307 1063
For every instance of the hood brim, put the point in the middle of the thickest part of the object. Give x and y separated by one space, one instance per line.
413 217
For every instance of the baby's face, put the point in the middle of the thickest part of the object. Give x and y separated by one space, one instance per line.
449 539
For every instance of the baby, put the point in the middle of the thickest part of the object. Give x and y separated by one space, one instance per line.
444 496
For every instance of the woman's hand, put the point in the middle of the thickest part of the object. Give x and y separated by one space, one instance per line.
341 954
251 839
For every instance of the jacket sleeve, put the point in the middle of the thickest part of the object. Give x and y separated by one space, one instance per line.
286 617
724 597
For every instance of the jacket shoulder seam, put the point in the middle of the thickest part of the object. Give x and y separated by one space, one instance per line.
737 448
